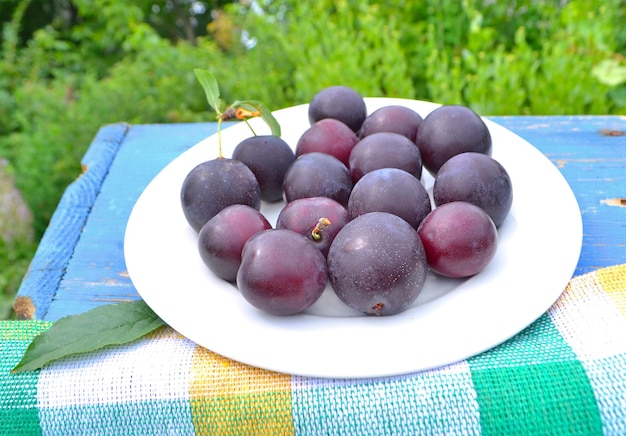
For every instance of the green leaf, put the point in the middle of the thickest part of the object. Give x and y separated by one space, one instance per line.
211 88
112 324
610 72
269 119
266 113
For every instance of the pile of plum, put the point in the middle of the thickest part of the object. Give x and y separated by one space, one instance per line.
356 214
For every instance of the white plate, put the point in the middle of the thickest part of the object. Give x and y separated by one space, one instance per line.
539 246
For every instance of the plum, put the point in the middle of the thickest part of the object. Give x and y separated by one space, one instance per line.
317 175
459 239
281 272
390 190
377 264
341 103
450 130
268 157
317 218
478 179
222 238
215 184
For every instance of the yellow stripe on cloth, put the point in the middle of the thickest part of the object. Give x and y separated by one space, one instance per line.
613 280
230 398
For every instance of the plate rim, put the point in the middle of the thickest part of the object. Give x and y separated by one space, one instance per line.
393 368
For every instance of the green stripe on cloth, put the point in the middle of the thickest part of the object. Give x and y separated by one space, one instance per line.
533 384
591 317
18 392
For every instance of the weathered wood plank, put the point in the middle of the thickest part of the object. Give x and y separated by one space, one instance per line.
57 245
590 152
97 273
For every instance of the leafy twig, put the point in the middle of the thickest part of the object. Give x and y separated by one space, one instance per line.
241 110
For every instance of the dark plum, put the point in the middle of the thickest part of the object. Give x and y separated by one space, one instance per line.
281 272
478 179
384 150
393 118
268 157
341 103
223 237
450 130
329 136
317 175
390 190
317 218
215 184
459 239
376 264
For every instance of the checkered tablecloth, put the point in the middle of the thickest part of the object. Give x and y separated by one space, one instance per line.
563 375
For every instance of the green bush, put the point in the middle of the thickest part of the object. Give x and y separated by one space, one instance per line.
539 57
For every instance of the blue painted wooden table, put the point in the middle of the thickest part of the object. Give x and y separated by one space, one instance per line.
80 262
564 374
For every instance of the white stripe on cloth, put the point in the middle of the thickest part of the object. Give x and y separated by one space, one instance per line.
588 320
144 370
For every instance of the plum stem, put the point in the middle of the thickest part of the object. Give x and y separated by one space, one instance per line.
322 223
250 127
219 138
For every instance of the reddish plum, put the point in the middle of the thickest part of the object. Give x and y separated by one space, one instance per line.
329 136
317 218
222 238
459 239
281 272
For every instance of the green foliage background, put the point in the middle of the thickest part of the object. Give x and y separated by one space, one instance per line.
69 67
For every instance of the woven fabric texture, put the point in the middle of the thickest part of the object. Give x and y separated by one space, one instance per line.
565 374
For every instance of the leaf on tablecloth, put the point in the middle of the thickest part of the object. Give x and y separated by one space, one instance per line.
112 324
